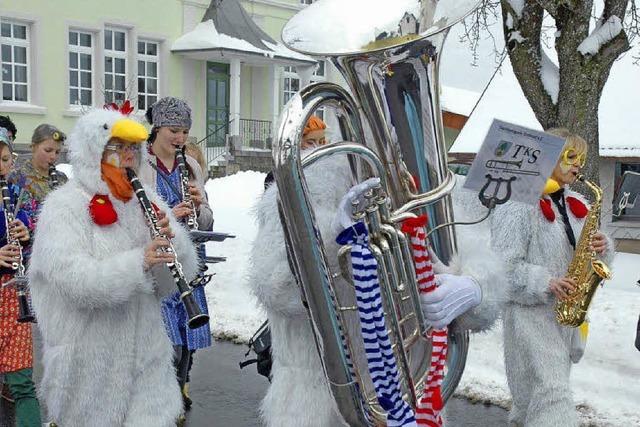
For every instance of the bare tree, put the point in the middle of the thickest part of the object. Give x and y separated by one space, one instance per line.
568 94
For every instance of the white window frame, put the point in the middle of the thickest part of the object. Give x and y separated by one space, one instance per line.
13 42
146 58
290 75
115 54
77 49
319 75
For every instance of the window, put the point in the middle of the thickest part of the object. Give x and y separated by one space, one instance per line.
291 84
627 194
80 68
319 72
306 1
115 65
147 73
14 46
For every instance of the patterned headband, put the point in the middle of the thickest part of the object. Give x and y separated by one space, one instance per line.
171 112
4 138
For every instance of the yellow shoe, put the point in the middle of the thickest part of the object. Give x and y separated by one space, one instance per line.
186 399
181 421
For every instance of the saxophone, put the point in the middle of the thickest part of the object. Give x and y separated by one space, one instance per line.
587 271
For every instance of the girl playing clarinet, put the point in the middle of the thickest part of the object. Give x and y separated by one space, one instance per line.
16 345
171 121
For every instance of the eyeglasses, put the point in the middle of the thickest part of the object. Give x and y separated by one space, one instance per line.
120 147
571 157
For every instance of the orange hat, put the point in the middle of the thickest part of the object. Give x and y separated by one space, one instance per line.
314 123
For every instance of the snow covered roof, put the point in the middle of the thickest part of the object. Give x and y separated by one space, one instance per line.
226 28
618 115
457 100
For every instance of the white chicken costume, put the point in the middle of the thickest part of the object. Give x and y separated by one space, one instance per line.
107 358
299 394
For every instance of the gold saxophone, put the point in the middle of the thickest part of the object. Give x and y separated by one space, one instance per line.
587 271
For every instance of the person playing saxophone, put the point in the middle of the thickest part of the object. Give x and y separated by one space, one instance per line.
16 355
97 277
538 243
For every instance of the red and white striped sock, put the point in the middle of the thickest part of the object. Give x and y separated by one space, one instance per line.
430 405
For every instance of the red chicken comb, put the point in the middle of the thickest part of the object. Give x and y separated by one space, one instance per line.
125 109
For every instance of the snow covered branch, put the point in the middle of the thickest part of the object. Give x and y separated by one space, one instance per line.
522 22
600 36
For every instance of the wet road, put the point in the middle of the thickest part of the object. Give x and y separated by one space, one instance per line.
226 396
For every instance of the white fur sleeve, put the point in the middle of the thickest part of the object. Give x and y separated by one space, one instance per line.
62 263
271 278
528 283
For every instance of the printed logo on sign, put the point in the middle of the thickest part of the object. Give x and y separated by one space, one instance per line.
503 148
513 163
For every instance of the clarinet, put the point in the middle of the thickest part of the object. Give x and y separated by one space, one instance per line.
19 278
195 316
192 220
53 177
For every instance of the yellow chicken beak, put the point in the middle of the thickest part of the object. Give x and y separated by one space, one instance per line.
129 130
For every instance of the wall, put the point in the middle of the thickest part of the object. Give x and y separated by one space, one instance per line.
156 19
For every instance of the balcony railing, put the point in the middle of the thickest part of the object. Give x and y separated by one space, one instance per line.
255 133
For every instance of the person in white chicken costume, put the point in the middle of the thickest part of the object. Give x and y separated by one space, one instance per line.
97 278
469 289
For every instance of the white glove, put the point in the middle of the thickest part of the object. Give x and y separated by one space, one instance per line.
343 217
454 296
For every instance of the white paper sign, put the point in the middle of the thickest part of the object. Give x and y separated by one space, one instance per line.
514 162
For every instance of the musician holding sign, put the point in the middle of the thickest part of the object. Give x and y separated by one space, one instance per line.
97 277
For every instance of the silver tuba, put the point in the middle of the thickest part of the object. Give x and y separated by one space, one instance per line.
388 52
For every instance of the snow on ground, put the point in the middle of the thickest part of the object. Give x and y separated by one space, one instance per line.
605 382
234 311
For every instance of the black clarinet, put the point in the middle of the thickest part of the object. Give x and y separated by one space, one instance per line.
53 177
192 219
195 316
19 280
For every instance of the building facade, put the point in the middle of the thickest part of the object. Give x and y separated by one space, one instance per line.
61 58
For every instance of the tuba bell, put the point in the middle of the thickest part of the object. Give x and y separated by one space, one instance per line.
392 129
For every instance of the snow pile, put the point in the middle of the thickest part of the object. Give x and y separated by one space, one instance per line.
234 310
600 36
605 382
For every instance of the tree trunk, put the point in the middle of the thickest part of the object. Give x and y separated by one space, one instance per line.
581 77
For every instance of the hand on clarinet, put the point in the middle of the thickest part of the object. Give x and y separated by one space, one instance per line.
153 253
196 195
8 255
19 231
182 210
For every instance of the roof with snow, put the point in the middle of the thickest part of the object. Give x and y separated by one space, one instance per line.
227 30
